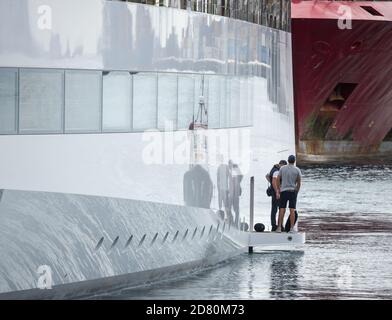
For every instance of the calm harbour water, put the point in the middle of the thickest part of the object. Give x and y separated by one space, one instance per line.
347 215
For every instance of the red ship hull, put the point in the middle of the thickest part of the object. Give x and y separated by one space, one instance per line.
342 80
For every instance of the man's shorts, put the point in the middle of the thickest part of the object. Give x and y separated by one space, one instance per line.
290 197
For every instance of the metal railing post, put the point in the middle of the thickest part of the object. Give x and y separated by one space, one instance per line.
251 208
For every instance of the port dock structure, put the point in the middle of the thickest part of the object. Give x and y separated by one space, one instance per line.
270 239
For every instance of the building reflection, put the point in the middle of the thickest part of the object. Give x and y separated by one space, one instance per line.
271 13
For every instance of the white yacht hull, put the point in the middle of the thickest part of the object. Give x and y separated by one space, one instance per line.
84 211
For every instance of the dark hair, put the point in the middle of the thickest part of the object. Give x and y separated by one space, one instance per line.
291 159
283 162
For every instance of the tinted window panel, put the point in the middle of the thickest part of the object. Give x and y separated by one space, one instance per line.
244 102
167 101
8 100
41 101
213 100
251 101
83 95
224 112
186 100
144 101
200 92
234 102
117 101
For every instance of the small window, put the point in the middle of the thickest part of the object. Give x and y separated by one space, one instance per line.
213 100
41 101
167 101
244 102
264 54
8 100
186 100
117 101
200 91
83 96
372 11
144 101
224 111
234 94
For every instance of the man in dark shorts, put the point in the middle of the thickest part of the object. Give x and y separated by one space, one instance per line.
289 184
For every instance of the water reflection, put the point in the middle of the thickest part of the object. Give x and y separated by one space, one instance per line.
254 276
284 275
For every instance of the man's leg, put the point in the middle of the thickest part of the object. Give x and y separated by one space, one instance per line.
292 206
274 210
292 218
282 212
282 209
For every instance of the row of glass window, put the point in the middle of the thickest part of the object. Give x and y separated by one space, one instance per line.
34 101
271 13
